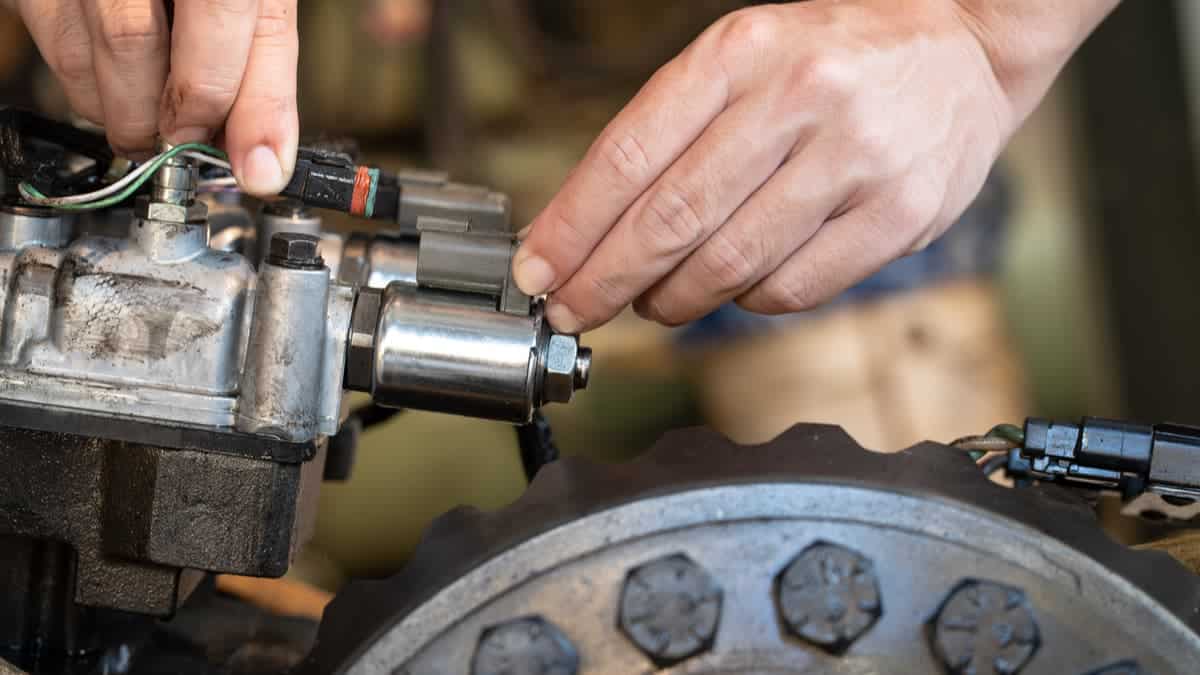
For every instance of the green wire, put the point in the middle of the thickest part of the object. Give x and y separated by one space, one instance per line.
133 187
1009 432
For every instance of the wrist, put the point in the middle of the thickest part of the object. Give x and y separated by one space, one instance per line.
1029 41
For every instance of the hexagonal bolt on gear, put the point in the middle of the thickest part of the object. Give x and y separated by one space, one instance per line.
1129 667
984 628
524 646
670 608
828 596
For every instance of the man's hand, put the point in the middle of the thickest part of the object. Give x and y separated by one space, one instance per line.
791 151
228 65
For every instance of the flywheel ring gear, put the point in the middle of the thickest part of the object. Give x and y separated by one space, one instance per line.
807 554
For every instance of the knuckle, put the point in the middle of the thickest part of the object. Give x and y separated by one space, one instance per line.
625 156
658 310
276 21
72 63
787 293
130 31
731 263
747 32
203 98
822 76
672 223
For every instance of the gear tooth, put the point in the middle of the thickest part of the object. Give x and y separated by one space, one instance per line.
818 434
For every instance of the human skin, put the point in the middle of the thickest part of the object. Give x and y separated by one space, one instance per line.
791 151
227 71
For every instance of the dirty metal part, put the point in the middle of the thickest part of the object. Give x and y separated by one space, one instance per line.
984 627
453 352
22 226
670 608
524 646
282 382
828 596
141 519
925 524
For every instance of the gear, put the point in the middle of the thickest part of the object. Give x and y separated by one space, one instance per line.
804 555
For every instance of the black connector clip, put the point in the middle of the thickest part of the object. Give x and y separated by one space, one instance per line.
1155 468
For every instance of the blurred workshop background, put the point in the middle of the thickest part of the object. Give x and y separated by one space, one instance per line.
1069 288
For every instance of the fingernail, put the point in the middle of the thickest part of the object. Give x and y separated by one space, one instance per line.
562 318
524 232
190 135
533 275
261 172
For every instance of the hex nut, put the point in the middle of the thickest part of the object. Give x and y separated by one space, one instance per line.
984 627
295 249
670 608
360 347
558 383
163 212
527 645
828 595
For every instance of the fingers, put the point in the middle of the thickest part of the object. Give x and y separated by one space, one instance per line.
653 130
210 46
60 30
737 153
846 250
263 130
130 55
764 232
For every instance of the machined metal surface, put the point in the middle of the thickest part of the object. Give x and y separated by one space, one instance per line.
285 359
30 226
828 559
453 352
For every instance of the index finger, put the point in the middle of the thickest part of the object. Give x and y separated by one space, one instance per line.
210 45
645 138
131 53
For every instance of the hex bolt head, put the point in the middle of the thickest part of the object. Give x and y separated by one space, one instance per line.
524 646
984 628
562 362
670 608
293 249
828 596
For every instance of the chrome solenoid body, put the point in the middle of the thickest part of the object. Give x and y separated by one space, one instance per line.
437 350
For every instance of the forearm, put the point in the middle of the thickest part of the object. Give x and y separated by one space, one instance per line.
1029 41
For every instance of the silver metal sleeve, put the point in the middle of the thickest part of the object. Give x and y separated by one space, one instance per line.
281 382
455 354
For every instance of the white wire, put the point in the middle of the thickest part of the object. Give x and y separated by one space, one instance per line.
98 194
215 161
126 181
224 181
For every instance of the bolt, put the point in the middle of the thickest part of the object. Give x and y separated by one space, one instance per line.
562 368
524 646
1119 668
983 627
296 250
670 608
828 596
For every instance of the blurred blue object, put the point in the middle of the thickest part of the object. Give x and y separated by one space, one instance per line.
971 248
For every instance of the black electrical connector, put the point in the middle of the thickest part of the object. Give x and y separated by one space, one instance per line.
1109 454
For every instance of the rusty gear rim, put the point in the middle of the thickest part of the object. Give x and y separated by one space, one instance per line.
804 555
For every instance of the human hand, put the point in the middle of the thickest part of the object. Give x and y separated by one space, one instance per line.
228 64
788 153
